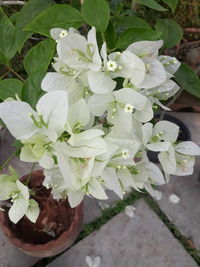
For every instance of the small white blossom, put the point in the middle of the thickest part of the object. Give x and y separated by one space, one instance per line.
125 154
128 108
111 65
63 33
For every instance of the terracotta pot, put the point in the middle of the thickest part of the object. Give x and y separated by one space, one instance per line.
57 226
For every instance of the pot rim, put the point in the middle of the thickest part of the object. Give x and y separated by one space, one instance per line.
4 219
35 247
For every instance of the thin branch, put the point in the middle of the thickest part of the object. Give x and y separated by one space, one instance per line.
6 3
8 159
29 176
192 29
190 43
16 74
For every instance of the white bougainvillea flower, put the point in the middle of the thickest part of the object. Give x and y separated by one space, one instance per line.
49 118
159 137
140 175
155 72
11 188
79 53
145 48
59 33
79 183
125 65
93 261
163 91
121 106
37 129
179 159
171 64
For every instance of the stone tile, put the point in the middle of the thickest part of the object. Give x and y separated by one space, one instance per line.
13 257
10 255
93 207
185 214
141 241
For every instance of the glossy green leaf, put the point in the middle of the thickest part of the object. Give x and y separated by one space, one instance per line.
110 35
7 37
76 4
134 35
133 22
188 80
56 16
31 90
96 13
151 4
3 59
10 88
172 32
39 56
171 3
25 16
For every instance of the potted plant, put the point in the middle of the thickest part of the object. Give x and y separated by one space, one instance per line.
90 131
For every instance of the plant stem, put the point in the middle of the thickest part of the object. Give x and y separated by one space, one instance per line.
8 159
29 176
16 74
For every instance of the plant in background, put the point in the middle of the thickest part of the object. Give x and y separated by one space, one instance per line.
88 120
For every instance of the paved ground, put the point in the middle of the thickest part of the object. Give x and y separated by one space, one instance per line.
141 241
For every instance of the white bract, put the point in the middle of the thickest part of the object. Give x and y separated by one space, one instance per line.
11 188
92 128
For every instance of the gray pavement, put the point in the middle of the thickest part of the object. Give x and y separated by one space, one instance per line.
141 241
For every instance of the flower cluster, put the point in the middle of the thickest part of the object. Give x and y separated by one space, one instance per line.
91 130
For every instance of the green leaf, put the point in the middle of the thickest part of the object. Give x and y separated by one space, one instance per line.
172 4
133 22
188 80
25 16
9 88
31 90
172 32
96 13
76 4
7 37
151 4
40 56
134 35
56 16
3 59
116 5
110 35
